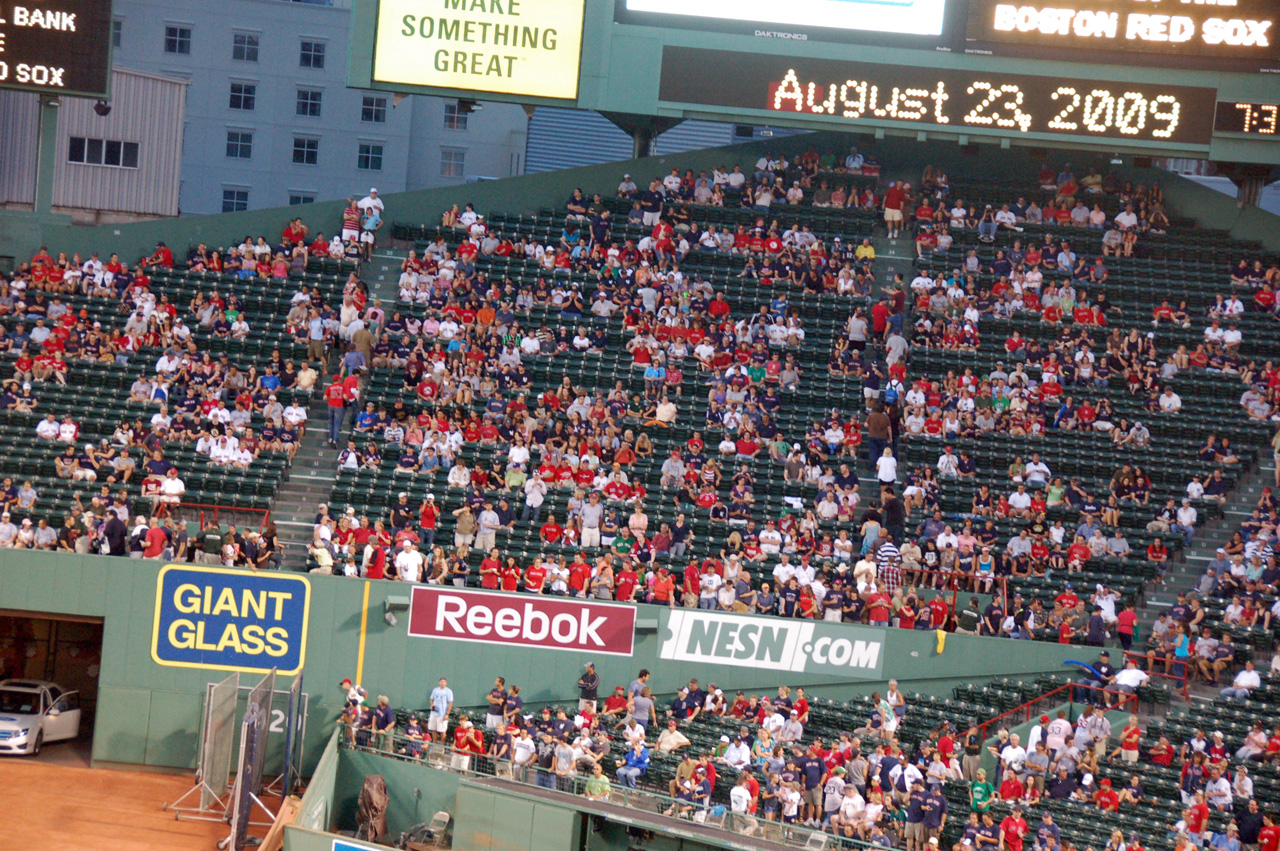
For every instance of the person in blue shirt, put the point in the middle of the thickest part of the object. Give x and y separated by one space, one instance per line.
441 708
789 599
413 736
367 419
634 765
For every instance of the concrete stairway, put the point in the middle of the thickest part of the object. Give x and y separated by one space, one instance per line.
315 464
1183 574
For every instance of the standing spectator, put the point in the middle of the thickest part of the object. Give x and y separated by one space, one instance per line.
441 709
588 684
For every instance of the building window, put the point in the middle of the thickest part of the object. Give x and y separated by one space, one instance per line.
235 200
309 103
102 152
306 151
177 40
244 47
369 157
373 110
239 145
453 119
117 33
244 96
312 55
298 198
453 162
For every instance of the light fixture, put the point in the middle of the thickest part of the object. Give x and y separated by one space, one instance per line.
102 108
392 605
466 106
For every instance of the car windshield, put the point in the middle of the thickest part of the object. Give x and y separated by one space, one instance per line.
18 702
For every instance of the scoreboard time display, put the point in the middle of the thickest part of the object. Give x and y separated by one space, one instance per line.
950 99
56 46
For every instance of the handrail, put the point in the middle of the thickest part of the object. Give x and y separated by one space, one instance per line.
1143 659
1025 708
212 511
713 814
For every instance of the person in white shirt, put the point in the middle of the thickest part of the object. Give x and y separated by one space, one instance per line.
1127 219
1186 525
948 464
48 428
1037 472
1013 756
737 755
1020 501
409 563
770 540
172 488
1195 489
740 797
1170 402
887 468
1131 679
1243 684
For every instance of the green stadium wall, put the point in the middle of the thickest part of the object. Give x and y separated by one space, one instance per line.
149 714
22 233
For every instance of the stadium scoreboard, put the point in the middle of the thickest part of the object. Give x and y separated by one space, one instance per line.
1186 77
60 47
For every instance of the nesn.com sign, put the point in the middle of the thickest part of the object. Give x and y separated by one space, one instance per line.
773 643
230 620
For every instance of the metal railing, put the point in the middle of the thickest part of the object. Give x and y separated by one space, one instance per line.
643 801
1024 712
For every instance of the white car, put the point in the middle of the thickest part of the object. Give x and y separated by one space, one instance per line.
35 712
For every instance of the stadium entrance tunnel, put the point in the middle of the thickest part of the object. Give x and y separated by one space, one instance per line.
68 652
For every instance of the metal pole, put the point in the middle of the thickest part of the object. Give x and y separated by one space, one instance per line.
46 154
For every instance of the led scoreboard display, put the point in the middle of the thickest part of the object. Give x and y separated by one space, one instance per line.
953 99
56 46
1240 31
1256 119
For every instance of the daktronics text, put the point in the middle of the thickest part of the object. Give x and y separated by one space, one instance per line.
523 620
945 98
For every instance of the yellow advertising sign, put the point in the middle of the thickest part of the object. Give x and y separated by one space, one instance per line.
512 47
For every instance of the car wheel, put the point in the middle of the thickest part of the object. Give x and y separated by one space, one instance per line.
39 741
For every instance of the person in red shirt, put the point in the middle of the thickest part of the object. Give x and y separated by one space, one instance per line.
1126 621
491 570
579 576
1106 797
625 583
664 586
878 607
1010 790
894 198
161 257
535 578
1196 816
551 531
156 539
335 397
511 575
1269 835
1013 828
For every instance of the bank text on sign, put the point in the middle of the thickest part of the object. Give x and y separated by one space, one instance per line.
774 644
524 620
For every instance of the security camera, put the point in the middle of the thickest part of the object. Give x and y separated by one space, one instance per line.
102 108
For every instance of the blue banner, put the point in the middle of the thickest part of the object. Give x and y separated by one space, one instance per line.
230 620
